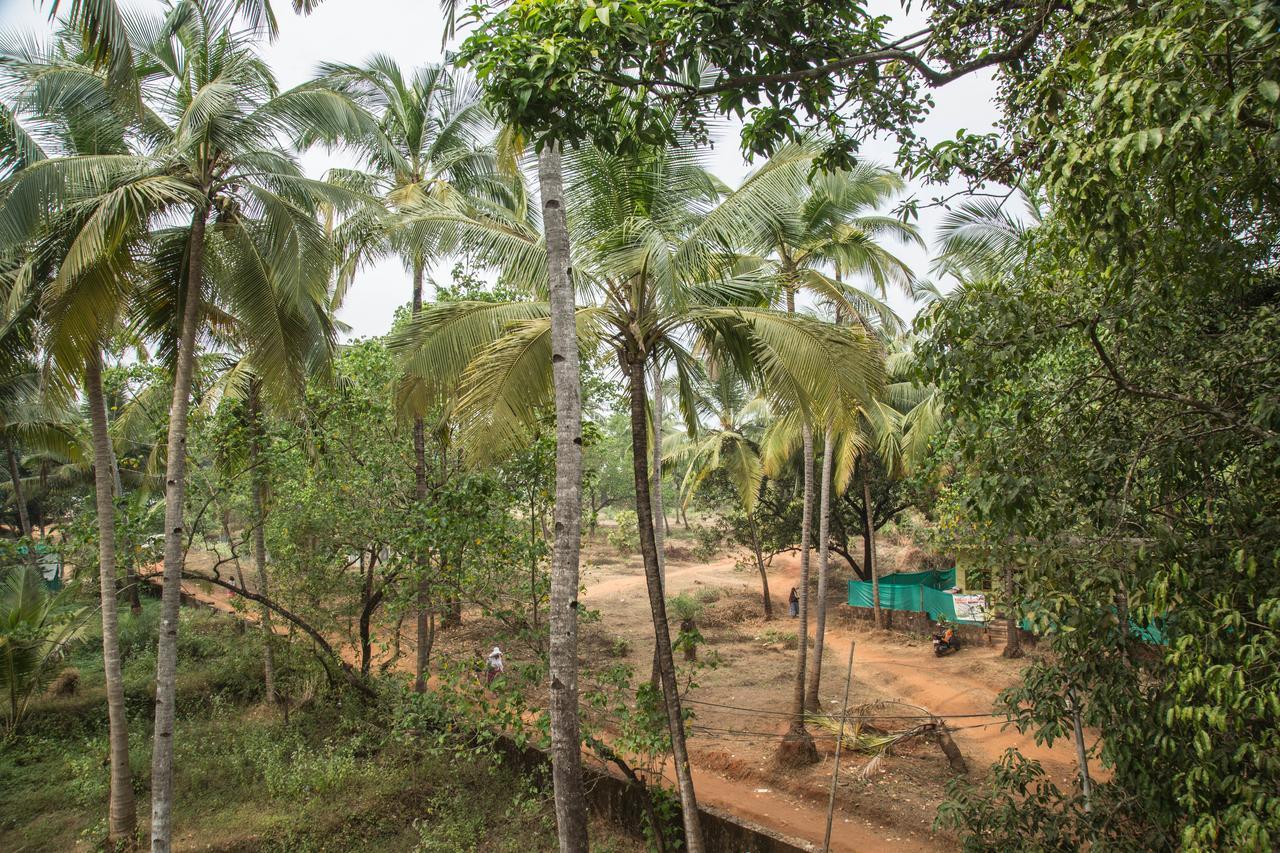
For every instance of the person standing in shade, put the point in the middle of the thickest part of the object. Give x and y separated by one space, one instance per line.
496 665
793 601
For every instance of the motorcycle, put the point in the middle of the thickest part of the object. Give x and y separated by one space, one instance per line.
945 642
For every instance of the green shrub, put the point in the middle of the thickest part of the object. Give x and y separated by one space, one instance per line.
709 540
626 536
708 594
685 606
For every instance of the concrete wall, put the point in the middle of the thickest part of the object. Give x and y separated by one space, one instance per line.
619 802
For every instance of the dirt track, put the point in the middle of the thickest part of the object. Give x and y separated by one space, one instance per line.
732 749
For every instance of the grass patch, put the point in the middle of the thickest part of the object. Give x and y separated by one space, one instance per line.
335 777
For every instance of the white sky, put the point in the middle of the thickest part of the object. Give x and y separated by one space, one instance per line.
410 31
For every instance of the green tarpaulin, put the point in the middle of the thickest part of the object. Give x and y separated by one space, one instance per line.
938 580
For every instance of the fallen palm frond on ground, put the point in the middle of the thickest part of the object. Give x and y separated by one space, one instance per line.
875 728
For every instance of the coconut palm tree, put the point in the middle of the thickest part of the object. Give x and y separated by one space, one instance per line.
61 100
816 229
661 288
208 122
731 445
35 627
427 137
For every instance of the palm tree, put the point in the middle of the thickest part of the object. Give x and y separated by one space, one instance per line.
209 120
731 446
69 107
566 734
35 627
662 287
811 222
427 138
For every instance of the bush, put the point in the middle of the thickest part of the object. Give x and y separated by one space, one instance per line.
626 536
709 539
685 607
708 594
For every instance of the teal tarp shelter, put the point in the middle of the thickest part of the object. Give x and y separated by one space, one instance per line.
917 592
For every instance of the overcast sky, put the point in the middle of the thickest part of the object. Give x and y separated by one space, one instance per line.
410 31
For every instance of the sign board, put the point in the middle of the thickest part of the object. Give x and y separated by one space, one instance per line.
971 608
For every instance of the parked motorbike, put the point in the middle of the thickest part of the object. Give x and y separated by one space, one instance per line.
945 641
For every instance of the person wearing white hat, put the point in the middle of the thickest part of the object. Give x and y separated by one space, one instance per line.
495 665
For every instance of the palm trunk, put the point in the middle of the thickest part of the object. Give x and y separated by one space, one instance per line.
872 563
566 736
797 747
122 816
1013 640
420 492
18 498
824 531
658 607
133 589
174 536
659 530
259 476
764 573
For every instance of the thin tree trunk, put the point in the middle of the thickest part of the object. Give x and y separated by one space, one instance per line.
420 492
19 499
122 816
824 530
566 737
132 587
873 565
174 543
659 530
764 573
259 477
1013 642
797 747
658 607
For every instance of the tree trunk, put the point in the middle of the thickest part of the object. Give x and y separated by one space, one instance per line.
19 499
420 492
659 530
797 747
1013 643
873 565
133 589
259 478
122 817
824 530
764 573
174 536
658 605
566 739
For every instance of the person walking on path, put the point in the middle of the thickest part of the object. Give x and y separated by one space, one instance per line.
496 665
793 601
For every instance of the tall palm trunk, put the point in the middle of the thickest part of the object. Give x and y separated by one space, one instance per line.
764 573
658 606
122 817
423 626
873 566
18 497
797 746
824 530
660 529
566 738
132 588
174 535
259 476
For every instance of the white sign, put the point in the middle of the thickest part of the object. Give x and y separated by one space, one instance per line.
971 608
